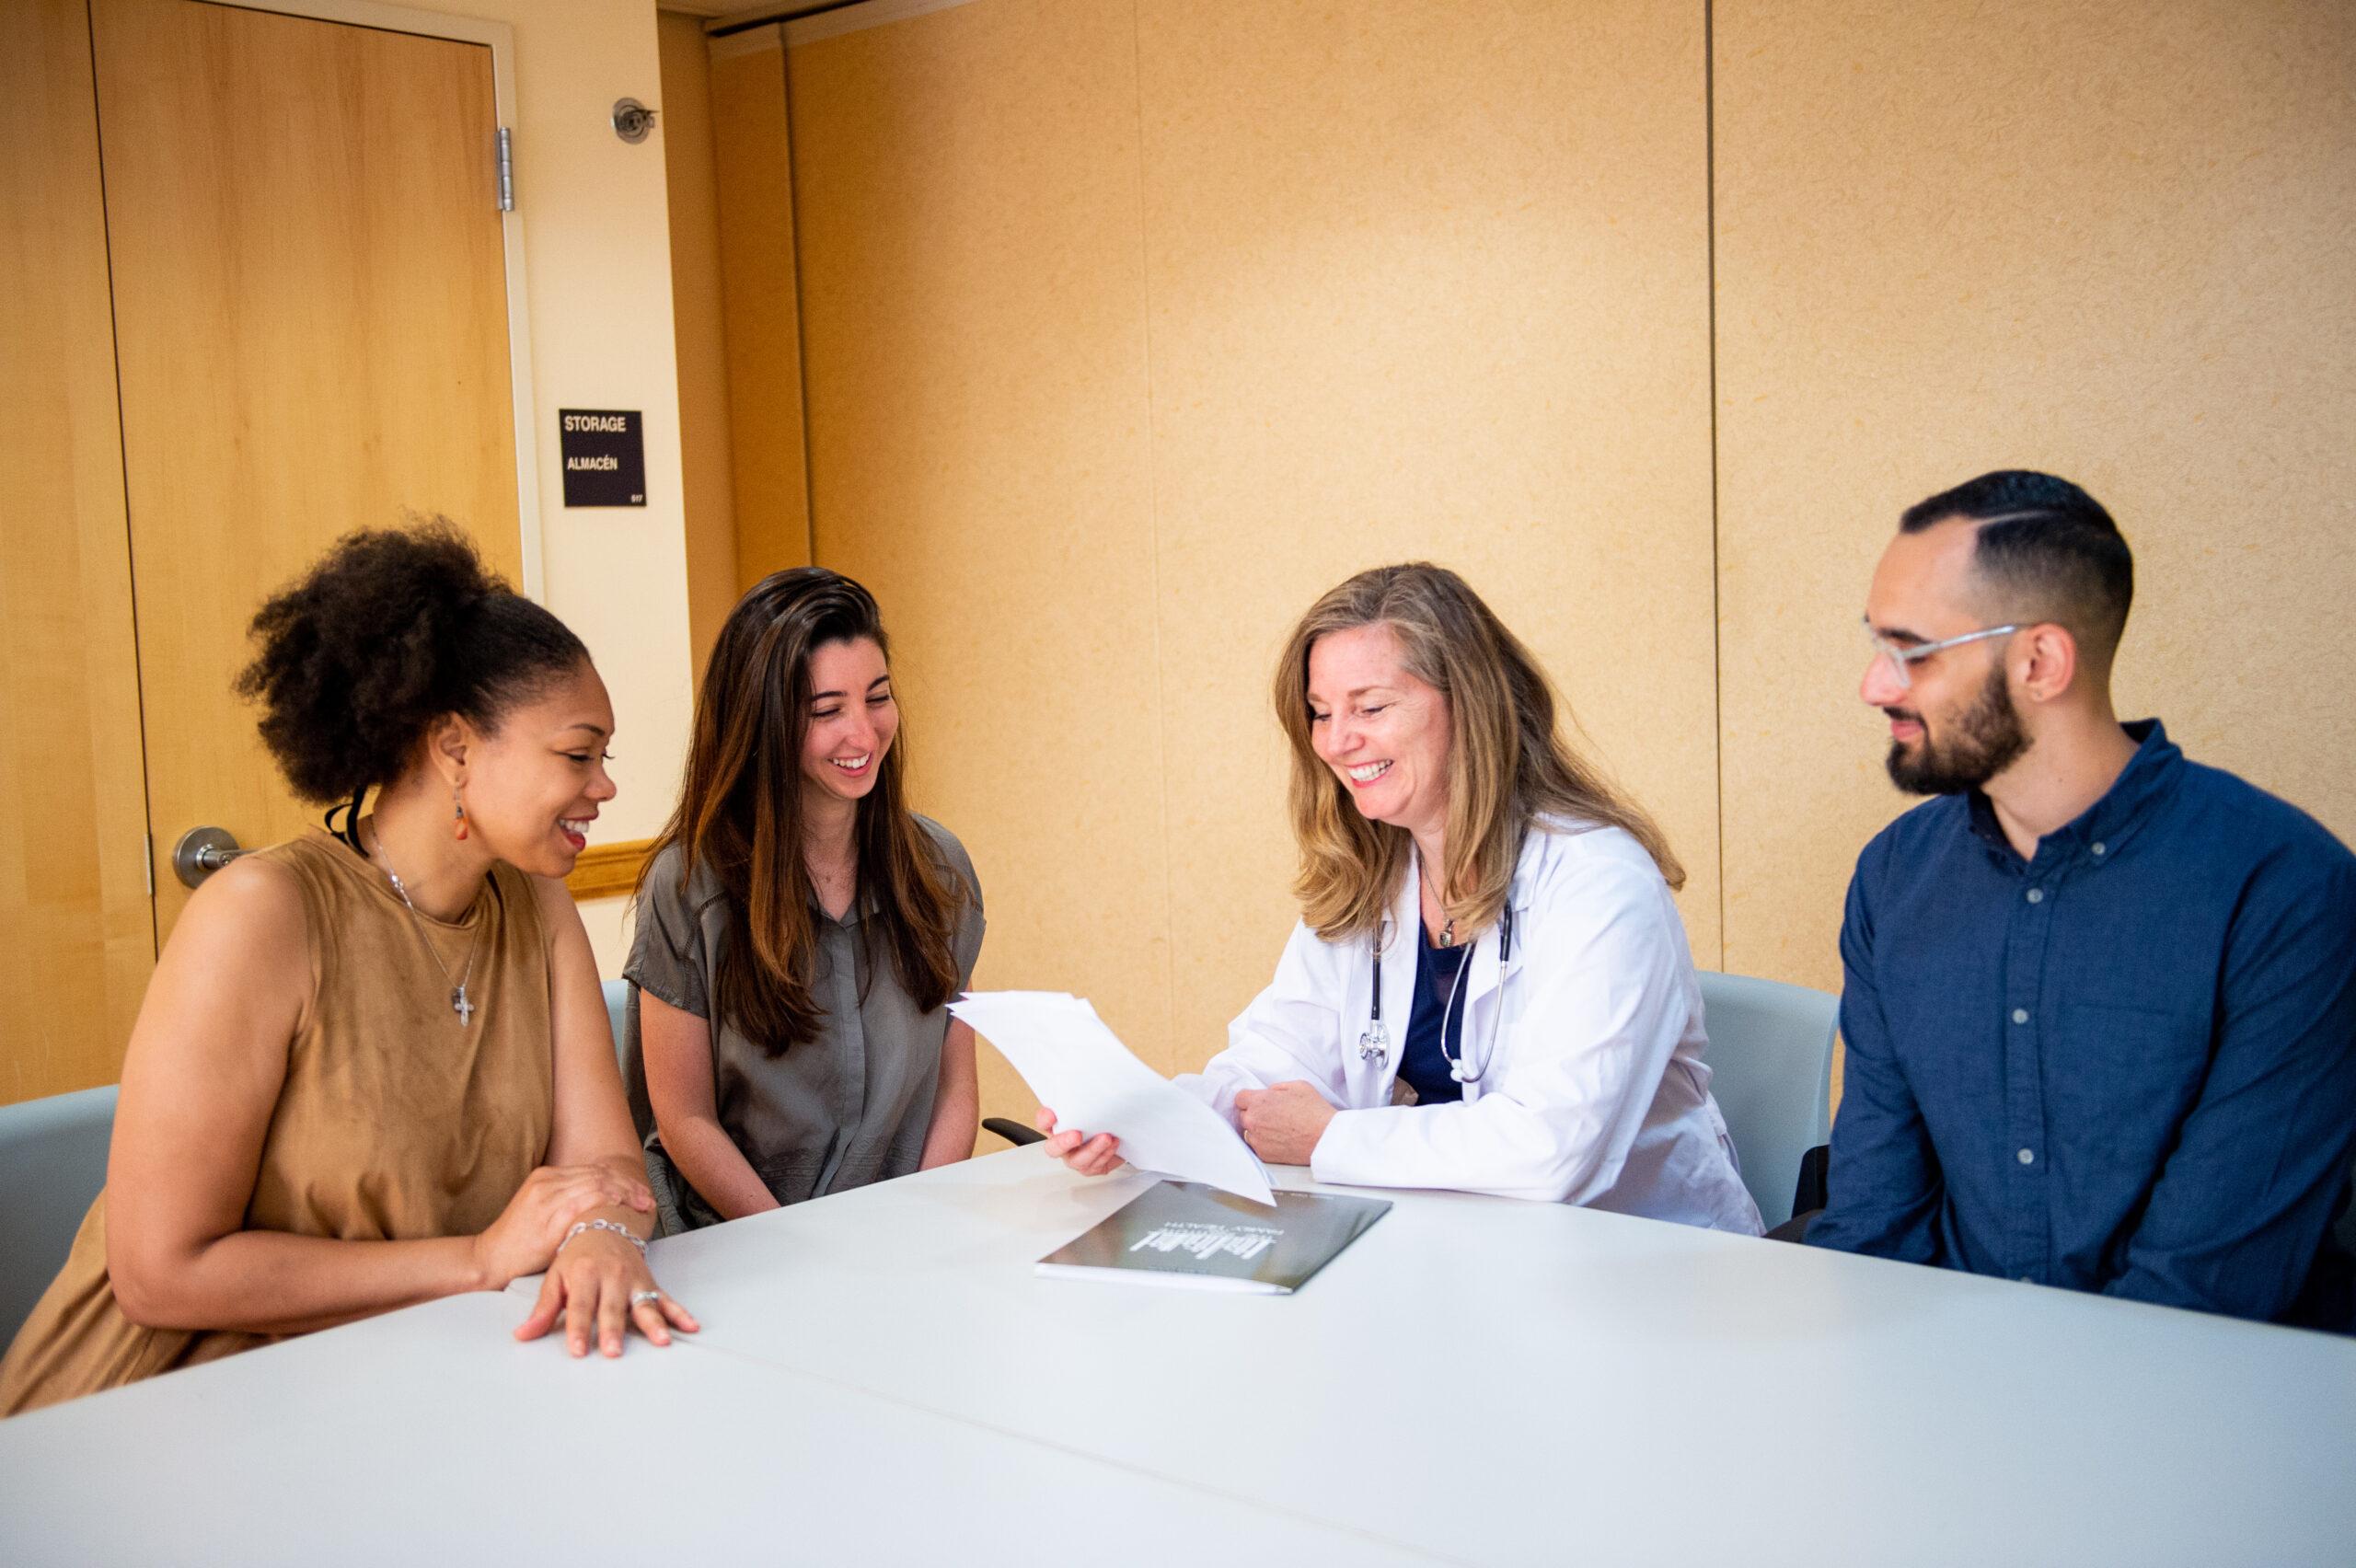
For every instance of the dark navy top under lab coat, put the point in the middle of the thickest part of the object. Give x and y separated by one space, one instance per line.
2127 1066
1422 1062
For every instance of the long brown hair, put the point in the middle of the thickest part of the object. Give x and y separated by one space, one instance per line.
1507 761
740 814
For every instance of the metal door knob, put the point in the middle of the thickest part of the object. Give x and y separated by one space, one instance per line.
202 851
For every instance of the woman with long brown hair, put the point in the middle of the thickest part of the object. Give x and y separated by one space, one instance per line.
1489 988
801 931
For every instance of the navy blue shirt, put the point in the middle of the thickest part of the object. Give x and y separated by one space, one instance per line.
1421 1061
2127 1066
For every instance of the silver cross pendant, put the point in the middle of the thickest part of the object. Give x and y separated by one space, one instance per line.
462 1007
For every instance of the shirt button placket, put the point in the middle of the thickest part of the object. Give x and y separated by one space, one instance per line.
2028 1222
847 1034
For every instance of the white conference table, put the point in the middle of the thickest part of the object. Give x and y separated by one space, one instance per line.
882 1378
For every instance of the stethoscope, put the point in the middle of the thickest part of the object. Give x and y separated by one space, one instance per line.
1374 1044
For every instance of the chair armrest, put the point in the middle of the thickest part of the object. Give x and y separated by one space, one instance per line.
1815 1185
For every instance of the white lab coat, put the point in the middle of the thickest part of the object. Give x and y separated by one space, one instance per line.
1596 1093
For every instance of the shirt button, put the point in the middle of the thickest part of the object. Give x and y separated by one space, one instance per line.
2020 1015
2036 895
2028 1157
2100 848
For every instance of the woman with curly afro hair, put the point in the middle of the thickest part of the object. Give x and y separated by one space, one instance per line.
372 1066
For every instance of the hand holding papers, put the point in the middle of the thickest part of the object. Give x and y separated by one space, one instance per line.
1076 1064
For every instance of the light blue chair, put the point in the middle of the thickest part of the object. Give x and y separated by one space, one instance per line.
658 1172
1771 1070
53 1163
617 1009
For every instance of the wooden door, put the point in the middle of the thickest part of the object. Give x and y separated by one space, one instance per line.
311 319
77 932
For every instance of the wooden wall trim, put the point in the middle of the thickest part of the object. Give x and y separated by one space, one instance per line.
608 870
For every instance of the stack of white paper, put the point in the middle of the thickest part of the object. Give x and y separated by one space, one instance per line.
1081 1070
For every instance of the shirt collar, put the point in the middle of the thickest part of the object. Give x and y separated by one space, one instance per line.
2148 776
860 908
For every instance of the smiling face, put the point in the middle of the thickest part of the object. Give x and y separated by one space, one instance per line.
1953 724
535 784
853 720
1382 729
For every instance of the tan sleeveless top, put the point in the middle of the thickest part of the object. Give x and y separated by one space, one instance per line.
395 1123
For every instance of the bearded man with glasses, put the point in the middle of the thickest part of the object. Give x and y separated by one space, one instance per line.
2100 1001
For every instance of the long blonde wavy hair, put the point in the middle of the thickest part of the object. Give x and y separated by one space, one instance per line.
1507 761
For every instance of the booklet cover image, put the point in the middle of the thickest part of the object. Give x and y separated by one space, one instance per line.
1188 1233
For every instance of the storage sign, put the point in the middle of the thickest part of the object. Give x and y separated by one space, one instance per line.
605 457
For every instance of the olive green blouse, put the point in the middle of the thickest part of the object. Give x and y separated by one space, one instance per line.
848 1108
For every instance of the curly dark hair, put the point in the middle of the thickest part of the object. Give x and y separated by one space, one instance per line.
394 628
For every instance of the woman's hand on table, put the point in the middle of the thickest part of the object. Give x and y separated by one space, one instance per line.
602 1287
1089 1157
525 1235
1283 1124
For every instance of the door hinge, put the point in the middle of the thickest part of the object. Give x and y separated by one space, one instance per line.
149 865
506 170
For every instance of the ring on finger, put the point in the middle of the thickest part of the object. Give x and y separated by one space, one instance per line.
641 1298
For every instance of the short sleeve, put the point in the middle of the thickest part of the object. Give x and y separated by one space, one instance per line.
967 943
667 957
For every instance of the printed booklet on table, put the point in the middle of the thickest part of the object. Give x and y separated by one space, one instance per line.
1190 1233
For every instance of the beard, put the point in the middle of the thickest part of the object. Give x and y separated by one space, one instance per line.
1985 740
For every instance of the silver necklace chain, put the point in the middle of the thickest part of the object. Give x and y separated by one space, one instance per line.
1448 929
458 1002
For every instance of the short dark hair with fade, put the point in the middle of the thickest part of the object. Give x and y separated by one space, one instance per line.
2048 550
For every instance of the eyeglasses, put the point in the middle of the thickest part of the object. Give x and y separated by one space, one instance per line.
1902 656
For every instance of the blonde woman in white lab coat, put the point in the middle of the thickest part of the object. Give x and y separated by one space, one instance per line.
1489 988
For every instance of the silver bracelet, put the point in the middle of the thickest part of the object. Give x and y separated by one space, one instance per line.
583 1225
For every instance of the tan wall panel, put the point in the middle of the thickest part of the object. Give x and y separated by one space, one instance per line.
1425 282
967 184
2113 245
754 162
77 936
691 183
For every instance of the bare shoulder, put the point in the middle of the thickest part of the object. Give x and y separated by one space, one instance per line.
245 934
250 900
